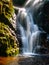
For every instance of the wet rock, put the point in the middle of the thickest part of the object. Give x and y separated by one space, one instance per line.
42 47
34 60
41 15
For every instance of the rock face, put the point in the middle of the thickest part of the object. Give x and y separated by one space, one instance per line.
8 41
41 15
42 47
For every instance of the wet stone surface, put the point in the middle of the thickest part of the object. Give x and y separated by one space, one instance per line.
25 60
34 61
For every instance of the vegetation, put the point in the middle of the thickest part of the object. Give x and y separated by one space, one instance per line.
8 41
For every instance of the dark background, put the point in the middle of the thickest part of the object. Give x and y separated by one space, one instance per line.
19 2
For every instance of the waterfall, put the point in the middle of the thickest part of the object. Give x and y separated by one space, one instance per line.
29 31
31 37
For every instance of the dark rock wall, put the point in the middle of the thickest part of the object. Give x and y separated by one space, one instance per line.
41 15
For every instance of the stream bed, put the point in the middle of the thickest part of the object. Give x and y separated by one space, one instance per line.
25 60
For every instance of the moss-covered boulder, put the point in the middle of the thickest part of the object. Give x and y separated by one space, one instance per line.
9 45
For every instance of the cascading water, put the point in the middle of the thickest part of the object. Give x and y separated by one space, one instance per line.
29 31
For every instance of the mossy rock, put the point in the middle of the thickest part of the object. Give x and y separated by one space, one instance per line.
8 42
6 8
9 45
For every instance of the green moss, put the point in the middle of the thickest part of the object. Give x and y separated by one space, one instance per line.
8 41
12 51
6 8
